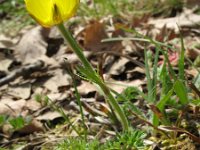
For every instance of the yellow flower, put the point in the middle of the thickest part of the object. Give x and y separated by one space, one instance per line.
51 12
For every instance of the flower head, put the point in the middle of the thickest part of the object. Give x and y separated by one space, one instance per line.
51 12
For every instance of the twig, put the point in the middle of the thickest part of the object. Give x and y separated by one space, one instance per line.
21 71
176 129
149 123
92 110
194 88
121 55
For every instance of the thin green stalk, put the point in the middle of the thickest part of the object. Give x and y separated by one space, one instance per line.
60 110
149 79
78 98
76 48
88 69
155 71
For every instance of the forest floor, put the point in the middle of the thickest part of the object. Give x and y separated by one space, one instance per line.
147 53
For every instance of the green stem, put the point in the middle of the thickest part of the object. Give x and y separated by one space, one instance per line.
77 49
74 45
119 112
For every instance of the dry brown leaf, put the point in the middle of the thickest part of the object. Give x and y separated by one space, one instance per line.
32 45
4 62
6 42
58 96
94 33
193 72
93 110
120 86
49 116
86 88
11 108
136 73
102 120
33 105
71 58
118 67
59 79
186 19
22 91
129 46
33 126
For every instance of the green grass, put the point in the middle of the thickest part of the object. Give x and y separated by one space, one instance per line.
77 144
13 17
173 94
15 122
133 140
173 90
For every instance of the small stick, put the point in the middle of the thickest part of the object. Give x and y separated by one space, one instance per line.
21 71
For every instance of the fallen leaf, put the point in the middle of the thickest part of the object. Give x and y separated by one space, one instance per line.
49 116
93 34
32 45
5 62
22 91
33 105
120 86
118 67
60 78
6 42
185 19
85 88
33 126
11 108
136 73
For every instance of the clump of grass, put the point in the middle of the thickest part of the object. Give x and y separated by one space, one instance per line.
79 144
128 140
16 122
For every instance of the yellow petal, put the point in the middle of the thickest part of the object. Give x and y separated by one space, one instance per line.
67 7
51 12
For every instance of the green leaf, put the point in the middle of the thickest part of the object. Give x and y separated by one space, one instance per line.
196 102
130 93
17 123
155 120
165 80
163 101
181 61
149 79
2 119
181 91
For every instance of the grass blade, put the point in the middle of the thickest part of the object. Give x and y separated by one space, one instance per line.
181 91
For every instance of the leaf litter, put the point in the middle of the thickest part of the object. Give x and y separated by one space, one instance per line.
37 66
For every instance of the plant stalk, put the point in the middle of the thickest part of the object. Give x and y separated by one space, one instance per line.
78 50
